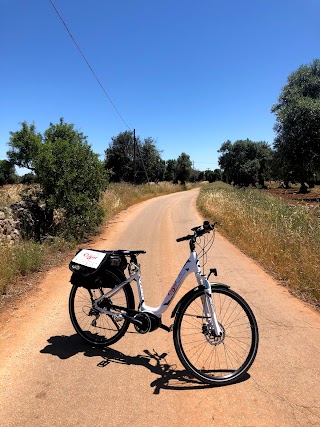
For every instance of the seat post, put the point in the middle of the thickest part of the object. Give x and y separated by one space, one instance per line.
133 258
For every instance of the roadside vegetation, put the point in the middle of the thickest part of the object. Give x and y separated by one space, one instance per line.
19 261
120 196
284 239
74 191
70 192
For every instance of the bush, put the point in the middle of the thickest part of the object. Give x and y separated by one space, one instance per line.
28 178
72 178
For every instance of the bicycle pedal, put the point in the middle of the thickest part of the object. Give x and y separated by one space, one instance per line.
166 328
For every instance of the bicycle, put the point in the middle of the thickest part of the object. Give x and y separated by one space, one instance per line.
215 332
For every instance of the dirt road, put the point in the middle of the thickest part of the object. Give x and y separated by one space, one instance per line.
50 377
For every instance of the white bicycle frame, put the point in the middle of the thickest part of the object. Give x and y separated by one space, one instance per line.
191 266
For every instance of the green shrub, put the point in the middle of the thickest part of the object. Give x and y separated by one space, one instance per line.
72 178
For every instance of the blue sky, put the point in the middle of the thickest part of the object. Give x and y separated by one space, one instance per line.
189 74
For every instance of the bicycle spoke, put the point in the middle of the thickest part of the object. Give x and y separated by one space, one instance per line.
216 359
94 325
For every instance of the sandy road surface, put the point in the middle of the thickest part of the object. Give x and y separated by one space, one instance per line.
50 377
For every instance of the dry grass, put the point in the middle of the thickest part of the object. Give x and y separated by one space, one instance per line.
122 195
28 257
284 238
10 194
19 260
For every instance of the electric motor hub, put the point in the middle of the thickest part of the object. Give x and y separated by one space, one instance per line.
149 322
145 323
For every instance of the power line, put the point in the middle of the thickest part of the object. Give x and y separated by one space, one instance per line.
207 163
87 62
97 79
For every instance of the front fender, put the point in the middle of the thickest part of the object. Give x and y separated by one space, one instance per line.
214 285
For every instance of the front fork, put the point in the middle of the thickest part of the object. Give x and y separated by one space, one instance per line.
208 307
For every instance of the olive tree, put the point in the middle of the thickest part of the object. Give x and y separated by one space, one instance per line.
24 146
183 168
72 177
246 162
133 160
297 142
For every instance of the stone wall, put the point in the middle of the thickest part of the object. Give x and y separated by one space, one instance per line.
9 227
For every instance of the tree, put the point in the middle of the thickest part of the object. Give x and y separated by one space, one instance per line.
129 162
245 162
184 168
25 145
119 157
7 172
297 142
217 175
171 170
150 164
227 161
72 177
202 176
194 176
264 155
213 176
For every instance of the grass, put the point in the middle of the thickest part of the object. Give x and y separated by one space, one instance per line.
23 259
19 260
10 194
284 238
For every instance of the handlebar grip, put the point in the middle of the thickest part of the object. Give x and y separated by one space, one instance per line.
207 226
181 239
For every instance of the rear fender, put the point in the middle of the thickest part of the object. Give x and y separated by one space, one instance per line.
214 285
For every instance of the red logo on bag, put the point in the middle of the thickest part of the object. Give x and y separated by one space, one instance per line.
89 256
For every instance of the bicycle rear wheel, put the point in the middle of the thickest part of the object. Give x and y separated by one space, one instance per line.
95 327
216 360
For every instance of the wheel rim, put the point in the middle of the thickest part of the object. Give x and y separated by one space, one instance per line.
217 358
90 323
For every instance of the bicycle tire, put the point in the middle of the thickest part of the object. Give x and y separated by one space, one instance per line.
216 361
94 327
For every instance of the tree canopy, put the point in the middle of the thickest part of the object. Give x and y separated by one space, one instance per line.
133 161
297 142
7 172
183 168
25 145
71 176
245 162
170 170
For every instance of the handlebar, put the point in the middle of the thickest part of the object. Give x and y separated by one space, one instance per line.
181 239
198 231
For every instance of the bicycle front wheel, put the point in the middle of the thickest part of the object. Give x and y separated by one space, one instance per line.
93 326
216 360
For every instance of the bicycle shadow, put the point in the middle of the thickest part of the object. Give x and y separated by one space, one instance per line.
169 377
